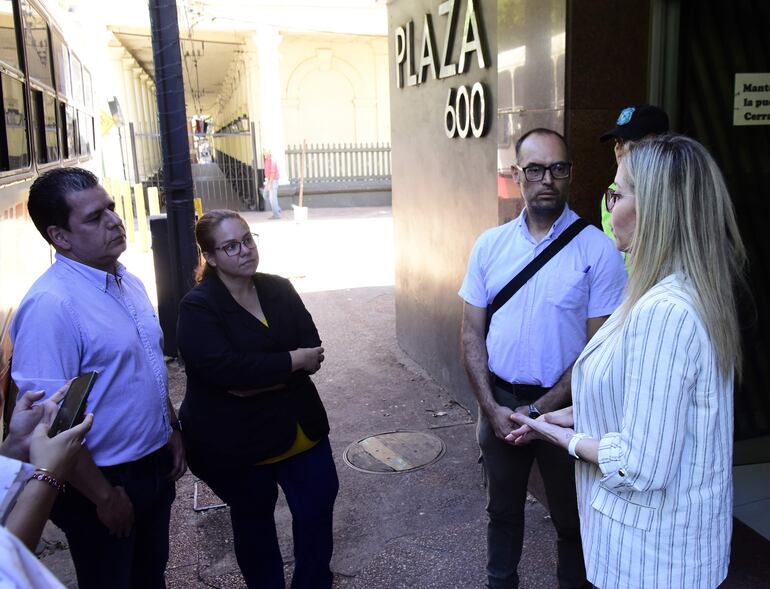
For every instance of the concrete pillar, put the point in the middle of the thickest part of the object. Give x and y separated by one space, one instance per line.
152 142
267 40
154 124
253 103
243 107
131 112
121 157
138 117
141 87
150 124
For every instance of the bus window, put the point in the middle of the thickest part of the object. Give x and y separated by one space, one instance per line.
44 132
36 43
88 91
62 109
38 125
15 150
85 120
49 116
61 64
9 52
77 80
72 132
84 136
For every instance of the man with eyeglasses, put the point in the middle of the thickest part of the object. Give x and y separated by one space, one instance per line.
523 362
87 313
633 123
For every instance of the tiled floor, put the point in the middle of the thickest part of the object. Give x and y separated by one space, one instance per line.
752 496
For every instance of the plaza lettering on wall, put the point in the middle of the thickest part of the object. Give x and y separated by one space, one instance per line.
466 107
752 99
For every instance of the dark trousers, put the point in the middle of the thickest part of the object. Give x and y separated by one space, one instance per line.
309 482
506 470
139 561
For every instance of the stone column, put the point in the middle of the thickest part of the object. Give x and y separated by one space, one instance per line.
146 142
131 113
153 127
120 149
267 40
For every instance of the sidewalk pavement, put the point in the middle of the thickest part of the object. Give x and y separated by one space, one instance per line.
420 529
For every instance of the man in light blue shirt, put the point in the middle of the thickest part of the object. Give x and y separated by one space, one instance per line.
523 363
87 313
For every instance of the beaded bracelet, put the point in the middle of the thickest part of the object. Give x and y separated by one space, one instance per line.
42 475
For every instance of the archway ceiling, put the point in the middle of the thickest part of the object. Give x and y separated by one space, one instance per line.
212 32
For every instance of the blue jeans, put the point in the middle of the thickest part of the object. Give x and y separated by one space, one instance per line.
139 561
309 481
272 195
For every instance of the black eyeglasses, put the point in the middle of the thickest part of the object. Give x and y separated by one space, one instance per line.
611 196
536 172
233 248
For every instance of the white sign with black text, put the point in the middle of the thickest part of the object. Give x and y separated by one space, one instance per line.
752 99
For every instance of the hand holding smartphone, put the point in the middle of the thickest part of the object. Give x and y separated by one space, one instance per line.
73 408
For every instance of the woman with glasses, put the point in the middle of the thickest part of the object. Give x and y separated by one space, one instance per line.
252 419
651 426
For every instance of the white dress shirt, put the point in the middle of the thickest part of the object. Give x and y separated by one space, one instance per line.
540 331
657 511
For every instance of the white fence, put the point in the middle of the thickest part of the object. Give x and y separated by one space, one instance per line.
339 162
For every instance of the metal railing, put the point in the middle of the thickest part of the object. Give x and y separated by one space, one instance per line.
223 170
339 162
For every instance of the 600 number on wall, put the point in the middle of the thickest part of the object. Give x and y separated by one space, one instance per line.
466 110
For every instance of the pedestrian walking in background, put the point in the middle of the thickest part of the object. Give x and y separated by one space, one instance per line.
271 184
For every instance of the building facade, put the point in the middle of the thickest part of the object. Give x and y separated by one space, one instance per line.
570 66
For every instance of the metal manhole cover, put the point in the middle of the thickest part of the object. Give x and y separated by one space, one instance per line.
394 452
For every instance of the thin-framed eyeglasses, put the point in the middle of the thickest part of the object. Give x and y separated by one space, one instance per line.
536 172
233 248
611 196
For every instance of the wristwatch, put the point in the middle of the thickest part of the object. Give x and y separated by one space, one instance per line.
533 411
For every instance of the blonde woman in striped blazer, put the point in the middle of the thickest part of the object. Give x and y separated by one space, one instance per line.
651 426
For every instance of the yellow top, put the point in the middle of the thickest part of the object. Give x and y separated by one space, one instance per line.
301 444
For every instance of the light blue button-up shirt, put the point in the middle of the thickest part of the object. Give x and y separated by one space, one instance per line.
76 319
540 331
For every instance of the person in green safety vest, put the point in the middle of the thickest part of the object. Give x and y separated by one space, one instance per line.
633 124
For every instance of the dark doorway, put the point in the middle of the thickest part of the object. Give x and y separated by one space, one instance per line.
719 40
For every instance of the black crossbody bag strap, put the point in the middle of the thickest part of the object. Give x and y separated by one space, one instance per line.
531 269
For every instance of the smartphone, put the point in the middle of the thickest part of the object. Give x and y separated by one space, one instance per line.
73 407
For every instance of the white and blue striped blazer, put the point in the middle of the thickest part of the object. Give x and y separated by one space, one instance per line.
657 511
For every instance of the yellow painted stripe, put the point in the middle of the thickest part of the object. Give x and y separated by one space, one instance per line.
375 448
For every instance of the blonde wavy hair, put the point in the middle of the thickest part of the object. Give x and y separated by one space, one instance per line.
685 223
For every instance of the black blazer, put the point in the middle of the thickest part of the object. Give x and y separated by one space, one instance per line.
225 347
